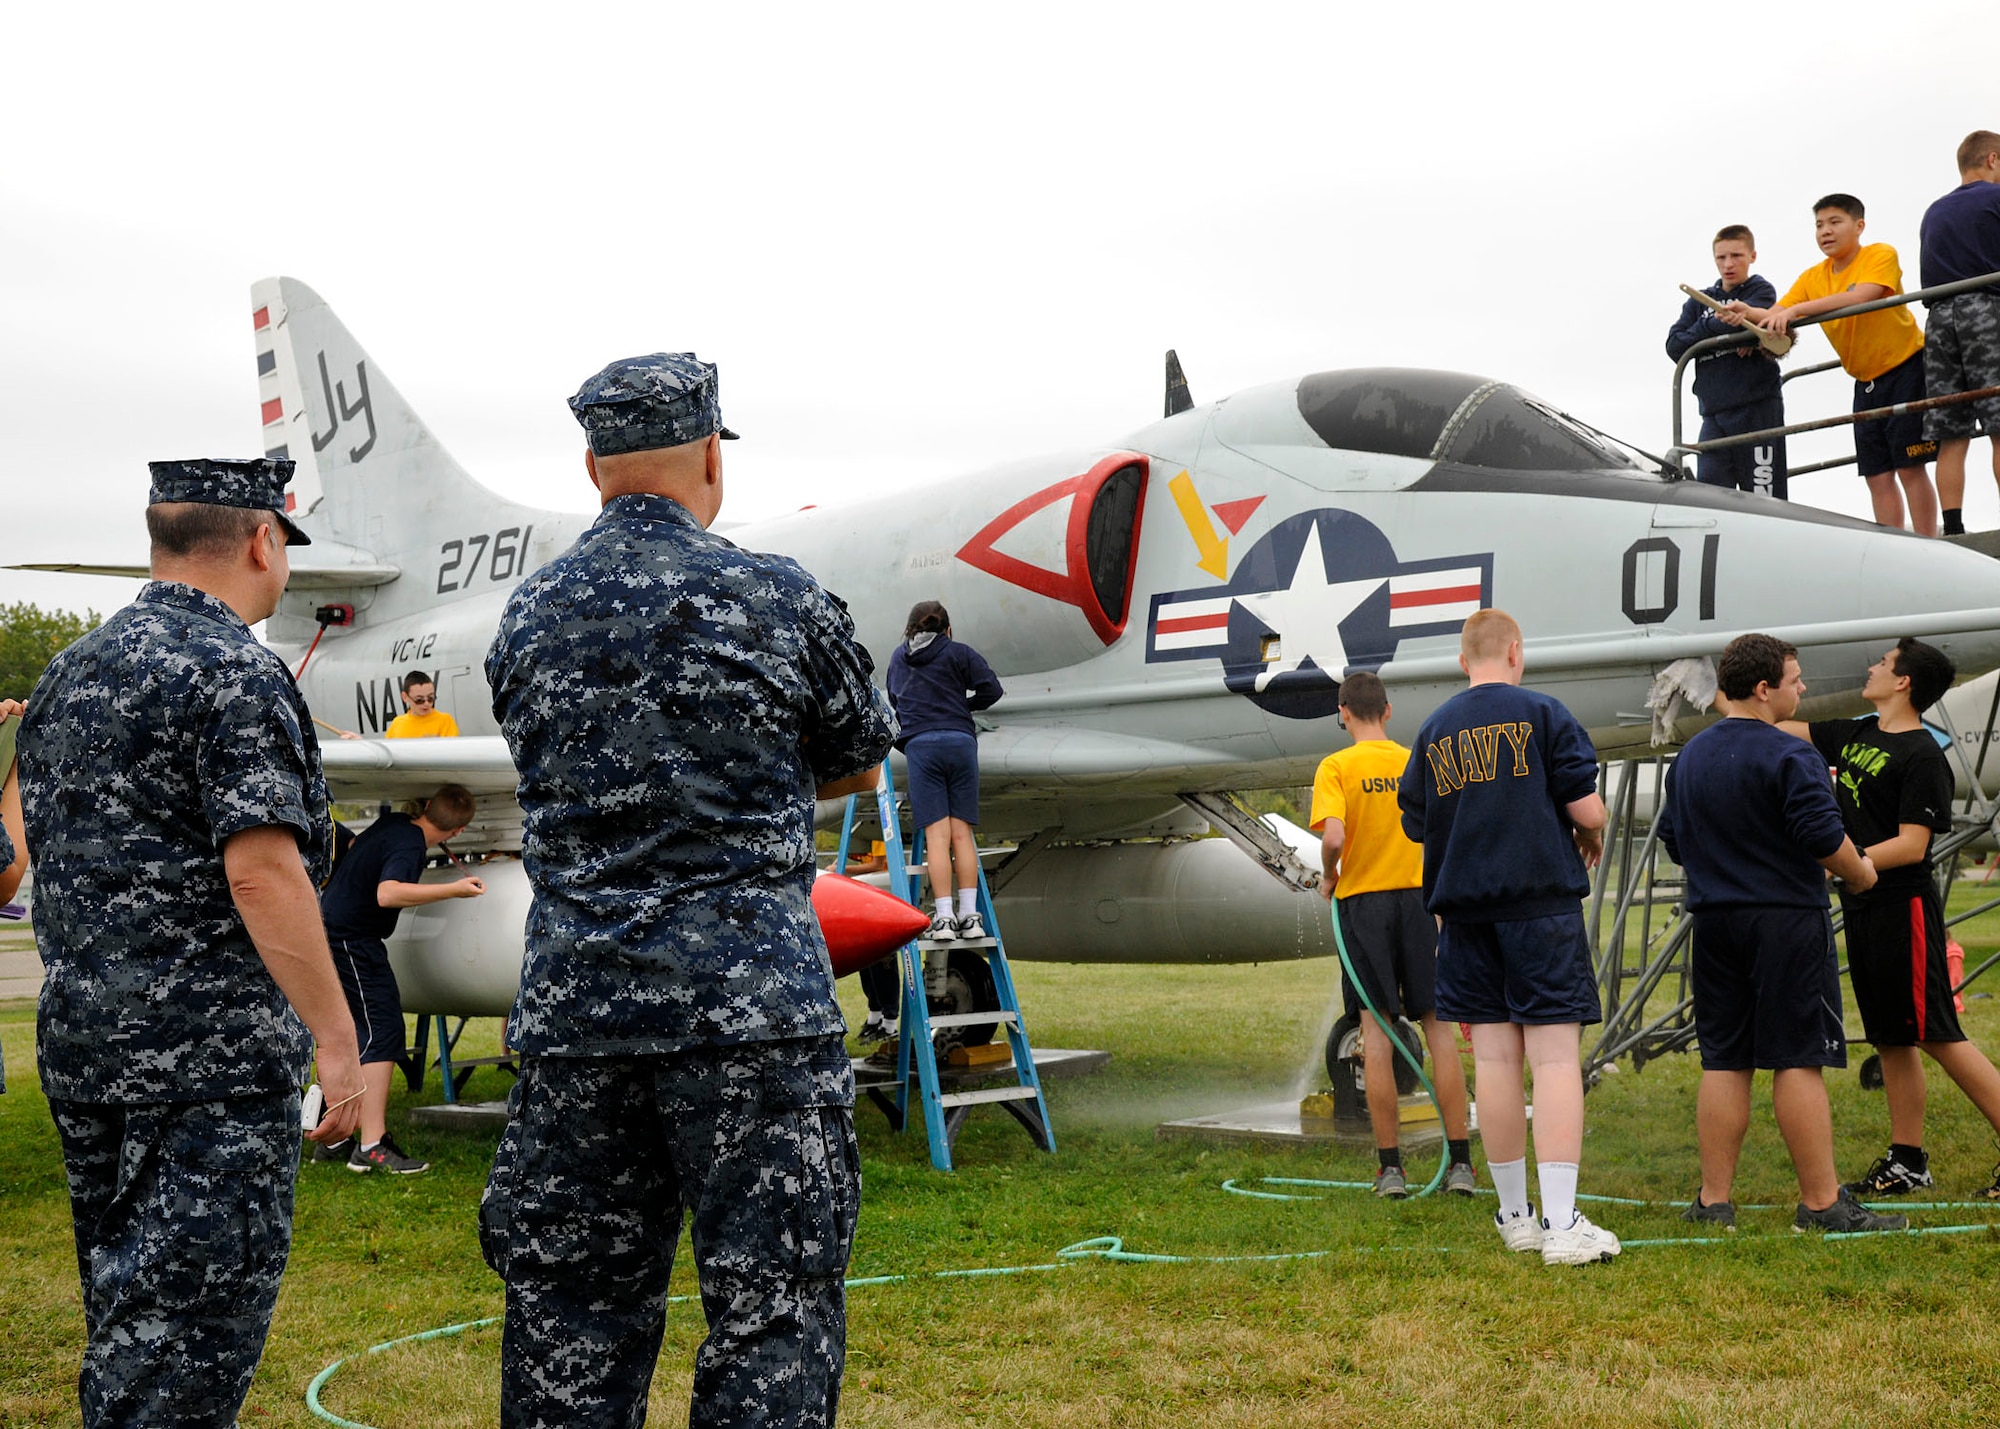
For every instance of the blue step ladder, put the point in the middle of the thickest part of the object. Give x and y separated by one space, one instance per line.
945 1110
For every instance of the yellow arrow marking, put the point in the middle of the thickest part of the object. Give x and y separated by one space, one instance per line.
1214 549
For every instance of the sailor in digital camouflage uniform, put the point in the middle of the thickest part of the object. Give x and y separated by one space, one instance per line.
672 704
173 799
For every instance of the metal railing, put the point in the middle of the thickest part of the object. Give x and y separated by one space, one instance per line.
1681 449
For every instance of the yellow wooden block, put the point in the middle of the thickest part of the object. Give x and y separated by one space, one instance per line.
989 1055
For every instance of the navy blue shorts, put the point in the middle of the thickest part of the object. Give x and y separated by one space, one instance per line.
1534 971
1392 942
944 777
1766 990
1894 442
362 965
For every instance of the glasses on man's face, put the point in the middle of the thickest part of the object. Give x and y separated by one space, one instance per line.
423 699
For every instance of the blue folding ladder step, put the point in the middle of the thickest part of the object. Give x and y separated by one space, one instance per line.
945 1111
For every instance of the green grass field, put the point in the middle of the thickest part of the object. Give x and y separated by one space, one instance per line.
1413 1315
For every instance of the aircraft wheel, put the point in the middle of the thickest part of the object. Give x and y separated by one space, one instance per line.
968 987
1871 1073
1344 1069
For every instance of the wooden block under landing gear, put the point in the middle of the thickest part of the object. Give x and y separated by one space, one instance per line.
989 1055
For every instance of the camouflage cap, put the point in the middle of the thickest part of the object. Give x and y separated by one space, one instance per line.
665 399
252 483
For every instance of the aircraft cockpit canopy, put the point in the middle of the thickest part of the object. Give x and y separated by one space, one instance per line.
1450 417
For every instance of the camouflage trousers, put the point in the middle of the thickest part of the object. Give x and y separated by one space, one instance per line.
601 1158
183 1214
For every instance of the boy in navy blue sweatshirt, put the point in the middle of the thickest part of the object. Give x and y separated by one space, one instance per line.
1749 815
1501 791
1738 390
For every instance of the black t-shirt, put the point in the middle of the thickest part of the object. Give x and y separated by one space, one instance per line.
1882 781
390 851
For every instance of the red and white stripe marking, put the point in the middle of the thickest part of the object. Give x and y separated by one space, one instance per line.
1192 624
1429 597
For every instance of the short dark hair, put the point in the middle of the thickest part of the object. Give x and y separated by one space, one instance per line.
1929 668
1978 144
1362 695
1751 660
1846 203
927 615
415 678
196 528
1732 232
452 807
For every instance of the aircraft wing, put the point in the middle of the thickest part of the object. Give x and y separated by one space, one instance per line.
361 769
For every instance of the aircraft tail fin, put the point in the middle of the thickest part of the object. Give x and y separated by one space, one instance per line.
331 409
382 499
1178 397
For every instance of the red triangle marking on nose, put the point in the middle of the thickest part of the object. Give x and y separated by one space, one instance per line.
1234 513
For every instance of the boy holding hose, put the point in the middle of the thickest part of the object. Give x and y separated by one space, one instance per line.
1378 875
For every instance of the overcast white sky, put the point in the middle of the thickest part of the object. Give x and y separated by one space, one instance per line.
919 240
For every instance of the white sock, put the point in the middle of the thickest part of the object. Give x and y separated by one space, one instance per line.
371 1146
1558 1183
944 907
968 902
1510 1183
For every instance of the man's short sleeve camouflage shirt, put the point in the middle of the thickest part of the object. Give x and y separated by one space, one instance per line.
671 703
146 745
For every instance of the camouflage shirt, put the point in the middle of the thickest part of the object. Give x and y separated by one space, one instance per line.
671 702
146 745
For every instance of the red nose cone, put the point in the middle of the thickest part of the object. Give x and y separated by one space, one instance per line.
861 922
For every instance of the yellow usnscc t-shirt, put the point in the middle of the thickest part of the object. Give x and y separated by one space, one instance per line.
1357 785
1874 342
411 725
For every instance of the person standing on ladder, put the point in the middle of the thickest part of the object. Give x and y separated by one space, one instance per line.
935 686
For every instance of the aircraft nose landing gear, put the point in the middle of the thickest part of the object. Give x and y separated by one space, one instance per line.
1344 1069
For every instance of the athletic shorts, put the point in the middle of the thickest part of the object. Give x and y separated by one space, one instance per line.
1766 989
362 965
1962 354
1759 468
944 777
1534 971
1892 443
1895 958
1392 941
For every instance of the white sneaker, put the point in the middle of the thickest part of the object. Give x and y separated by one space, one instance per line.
970 926
1519 1233
943 929
1580 1243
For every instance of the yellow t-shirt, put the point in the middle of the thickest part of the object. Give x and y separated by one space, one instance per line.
1874 342
411 725
1357 785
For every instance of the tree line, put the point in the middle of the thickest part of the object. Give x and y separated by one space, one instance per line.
30 637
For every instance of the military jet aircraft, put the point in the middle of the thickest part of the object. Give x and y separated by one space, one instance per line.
1172 613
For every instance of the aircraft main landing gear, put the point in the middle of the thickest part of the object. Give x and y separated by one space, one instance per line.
968 987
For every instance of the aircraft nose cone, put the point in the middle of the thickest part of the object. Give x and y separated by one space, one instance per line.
861 922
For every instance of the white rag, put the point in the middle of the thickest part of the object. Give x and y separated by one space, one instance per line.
1685 682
